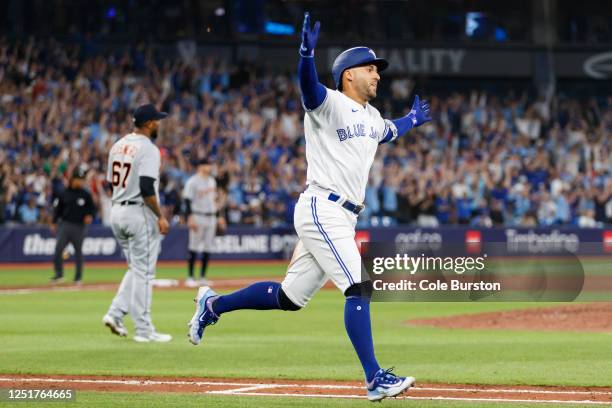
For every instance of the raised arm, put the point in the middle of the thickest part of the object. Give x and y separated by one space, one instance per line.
418 115
313 92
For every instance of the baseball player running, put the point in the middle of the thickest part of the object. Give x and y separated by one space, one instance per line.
137 222
342 133
200 195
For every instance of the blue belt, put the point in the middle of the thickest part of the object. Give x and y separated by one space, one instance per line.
352 207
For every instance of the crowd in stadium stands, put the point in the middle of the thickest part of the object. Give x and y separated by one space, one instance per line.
485 159
459 22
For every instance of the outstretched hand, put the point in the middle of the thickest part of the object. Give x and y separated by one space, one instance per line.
309 37
419 113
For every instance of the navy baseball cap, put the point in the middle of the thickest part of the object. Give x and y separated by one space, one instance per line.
146 113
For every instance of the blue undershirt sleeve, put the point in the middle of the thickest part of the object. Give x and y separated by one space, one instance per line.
313 92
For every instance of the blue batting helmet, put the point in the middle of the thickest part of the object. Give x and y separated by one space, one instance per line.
353 57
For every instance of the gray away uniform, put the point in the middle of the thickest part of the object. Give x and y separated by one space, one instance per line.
202 192
135 227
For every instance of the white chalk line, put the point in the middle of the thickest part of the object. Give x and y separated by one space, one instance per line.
124 382
243 389
248 388
178 382
323 386
440 398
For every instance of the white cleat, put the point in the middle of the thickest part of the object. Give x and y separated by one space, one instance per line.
154 337
386 384
191 283
115 325
203 316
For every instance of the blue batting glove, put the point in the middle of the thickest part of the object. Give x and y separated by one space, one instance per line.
309 37
419 113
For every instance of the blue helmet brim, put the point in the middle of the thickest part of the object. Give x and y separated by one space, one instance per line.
380 63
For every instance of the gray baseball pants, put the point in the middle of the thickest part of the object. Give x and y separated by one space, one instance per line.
135 227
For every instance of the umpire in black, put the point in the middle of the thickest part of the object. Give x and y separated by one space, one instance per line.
74 209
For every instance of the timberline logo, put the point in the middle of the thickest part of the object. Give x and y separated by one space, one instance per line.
599 66
541 242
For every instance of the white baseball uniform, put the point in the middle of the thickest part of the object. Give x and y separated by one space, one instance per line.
135 226
202 192
342 137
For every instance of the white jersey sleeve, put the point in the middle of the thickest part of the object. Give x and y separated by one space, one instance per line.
188 190
326 109
150 161
391 129
387 129
109 169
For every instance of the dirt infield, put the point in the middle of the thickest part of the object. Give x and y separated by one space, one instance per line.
230 283
591 317
45 265
312 389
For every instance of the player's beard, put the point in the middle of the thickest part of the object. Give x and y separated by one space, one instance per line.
368 92
154 135
371 92
368 95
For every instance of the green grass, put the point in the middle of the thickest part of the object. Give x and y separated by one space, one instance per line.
158 400
59 332
40 275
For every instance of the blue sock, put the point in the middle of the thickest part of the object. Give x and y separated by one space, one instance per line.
259 296
359 329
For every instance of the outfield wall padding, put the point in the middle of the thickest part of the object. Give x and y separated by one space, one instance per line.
37 244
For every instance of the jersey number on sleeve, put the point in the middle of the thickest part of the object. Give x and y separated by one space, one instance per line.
117 173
